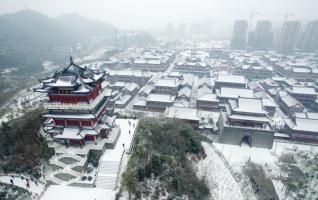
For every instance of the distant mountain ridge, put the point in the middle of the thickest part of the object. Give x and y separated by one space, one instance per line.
28 27
33 29
28 37
85 27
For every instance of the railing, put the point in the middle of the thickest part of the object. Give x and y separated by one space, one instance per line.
119 169
78 106
267 128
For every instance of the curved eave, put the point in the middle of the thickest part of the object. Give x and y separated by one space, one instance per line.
41 90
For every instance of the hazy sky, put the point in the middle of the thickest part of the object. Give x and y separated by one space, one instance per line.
154 13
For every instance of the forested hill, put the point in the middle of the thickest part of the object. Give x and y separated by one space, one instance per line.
21 148
28 37
159 167
32 29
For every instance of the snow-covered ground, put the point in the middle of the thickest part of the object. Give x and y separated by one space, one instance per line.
25 100
240 157
218 176
61 192
17 181
127 128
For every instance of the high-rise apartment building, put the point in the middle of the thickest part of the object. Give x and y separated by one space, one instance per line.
288 36
238 40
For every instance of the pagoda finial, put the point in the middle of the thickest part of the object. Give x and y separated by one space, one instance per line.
71 60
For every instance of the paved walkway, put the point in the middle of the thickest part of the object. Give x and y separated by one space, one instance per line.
110 162
17 181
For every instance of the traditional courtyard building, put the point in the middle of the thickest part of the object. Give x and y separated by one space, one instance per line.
167 86
187 80
184 93
305 95
188 115
269 106
206 100
128 76
234 81
225 93
245 121
205 82
255 72
298 70
159 64
271 86
76 105
289 104
197 68
159 102
146 90
303 127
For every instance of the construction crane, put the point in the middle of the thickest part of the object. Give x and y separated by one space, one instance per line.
252 14
287 16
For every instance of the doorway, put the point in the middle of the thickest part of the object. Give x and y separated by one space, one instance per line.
246 140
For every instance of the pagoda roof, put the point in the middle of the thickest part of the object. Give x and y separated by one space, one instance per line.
75 133
69 116
82 79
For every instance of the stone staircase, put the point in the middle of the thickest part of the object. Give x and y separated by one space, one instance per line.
107 174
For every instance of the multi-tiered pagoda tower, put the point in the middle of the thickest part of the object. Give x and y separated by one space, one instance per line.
77 105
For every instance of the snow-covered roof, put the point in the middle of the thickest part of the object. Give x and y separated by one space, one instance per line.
301 70
82 89
235 92
303 90
135 73
253 85
167 83
140 61
63 81
203 90
146 89
307 115
249 118
131 87
69 116
204 81
270 82
310 125
80 79
154 62
70 133
291 101
160 98
183 113
184 92
208 97
187 79
248 105
225 78
118 84
181 103
123 99
175 74
140 102
268 103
